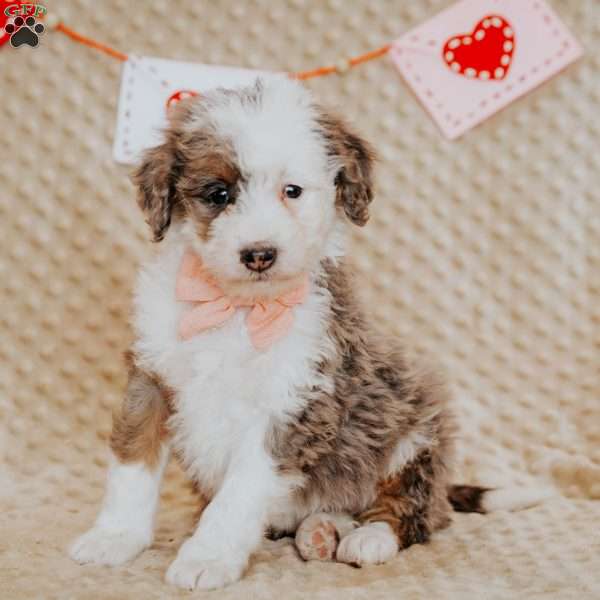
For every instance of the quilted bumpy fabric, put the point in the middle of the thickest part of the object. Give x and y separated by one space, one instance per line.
483 252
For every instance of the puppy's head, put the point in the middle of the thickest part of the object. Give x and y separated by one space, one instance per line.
256 180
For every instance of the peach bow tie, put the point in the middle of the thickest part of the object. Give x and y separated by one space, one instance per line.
267 321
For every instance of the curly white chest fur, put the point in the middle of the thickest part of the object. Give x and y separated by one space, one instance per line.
227 392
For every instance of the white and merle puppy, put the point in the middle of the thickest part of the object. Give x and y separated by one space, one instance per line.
253 362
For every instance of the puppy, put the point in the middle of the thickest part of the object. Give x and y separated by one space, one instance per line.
253 361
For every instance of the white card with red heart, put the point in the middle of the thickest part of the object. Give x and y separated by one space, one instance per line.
477 56
150 85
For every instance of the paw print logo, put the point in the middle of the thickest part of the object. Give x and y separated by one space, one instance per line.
24 31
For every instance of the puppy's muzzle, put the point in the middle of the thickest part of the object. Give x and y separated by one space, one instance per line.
258 258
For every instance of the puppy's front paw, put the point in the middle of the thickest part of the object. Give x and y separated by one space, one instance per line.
371 544
110 548
189 573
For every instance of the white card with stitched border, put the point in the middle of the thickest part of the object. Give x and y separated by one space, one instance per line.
150 85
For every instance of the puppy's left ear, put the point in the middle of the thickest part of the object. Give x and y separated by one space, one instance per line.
354 179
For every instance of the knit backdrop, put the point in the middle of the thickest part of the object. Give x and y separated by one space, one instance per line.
483 252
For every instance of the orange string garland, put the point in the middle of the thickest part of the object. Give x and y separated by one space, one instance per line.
86 41
302 75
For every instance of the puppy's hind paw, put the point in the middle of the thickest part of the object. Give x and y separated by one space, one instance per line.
371 544
317 537
101 547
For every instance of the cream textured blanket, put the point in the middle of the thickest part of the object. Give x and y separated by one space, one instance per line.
484 252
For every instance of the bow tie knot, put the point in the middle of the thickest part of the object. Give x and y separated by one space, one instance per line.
267 321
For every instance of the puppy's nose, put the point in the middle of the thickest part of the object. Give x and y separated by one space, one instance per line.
258 258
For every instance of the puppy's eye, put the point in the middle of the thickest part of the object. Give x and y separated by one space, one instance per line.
219 196
292 191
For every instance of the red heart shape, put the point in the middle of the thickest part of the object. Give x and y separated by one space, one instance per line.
178 96
486 53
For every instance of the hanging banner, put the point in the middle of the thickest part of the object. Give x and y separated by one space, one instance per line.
150 85
464 65
477 56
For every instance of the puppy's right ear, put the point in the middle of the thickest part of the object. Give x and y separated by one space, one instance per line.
155 179
157 175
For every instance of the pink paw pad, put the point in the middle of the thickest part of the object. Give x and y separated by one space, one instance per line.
317 539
